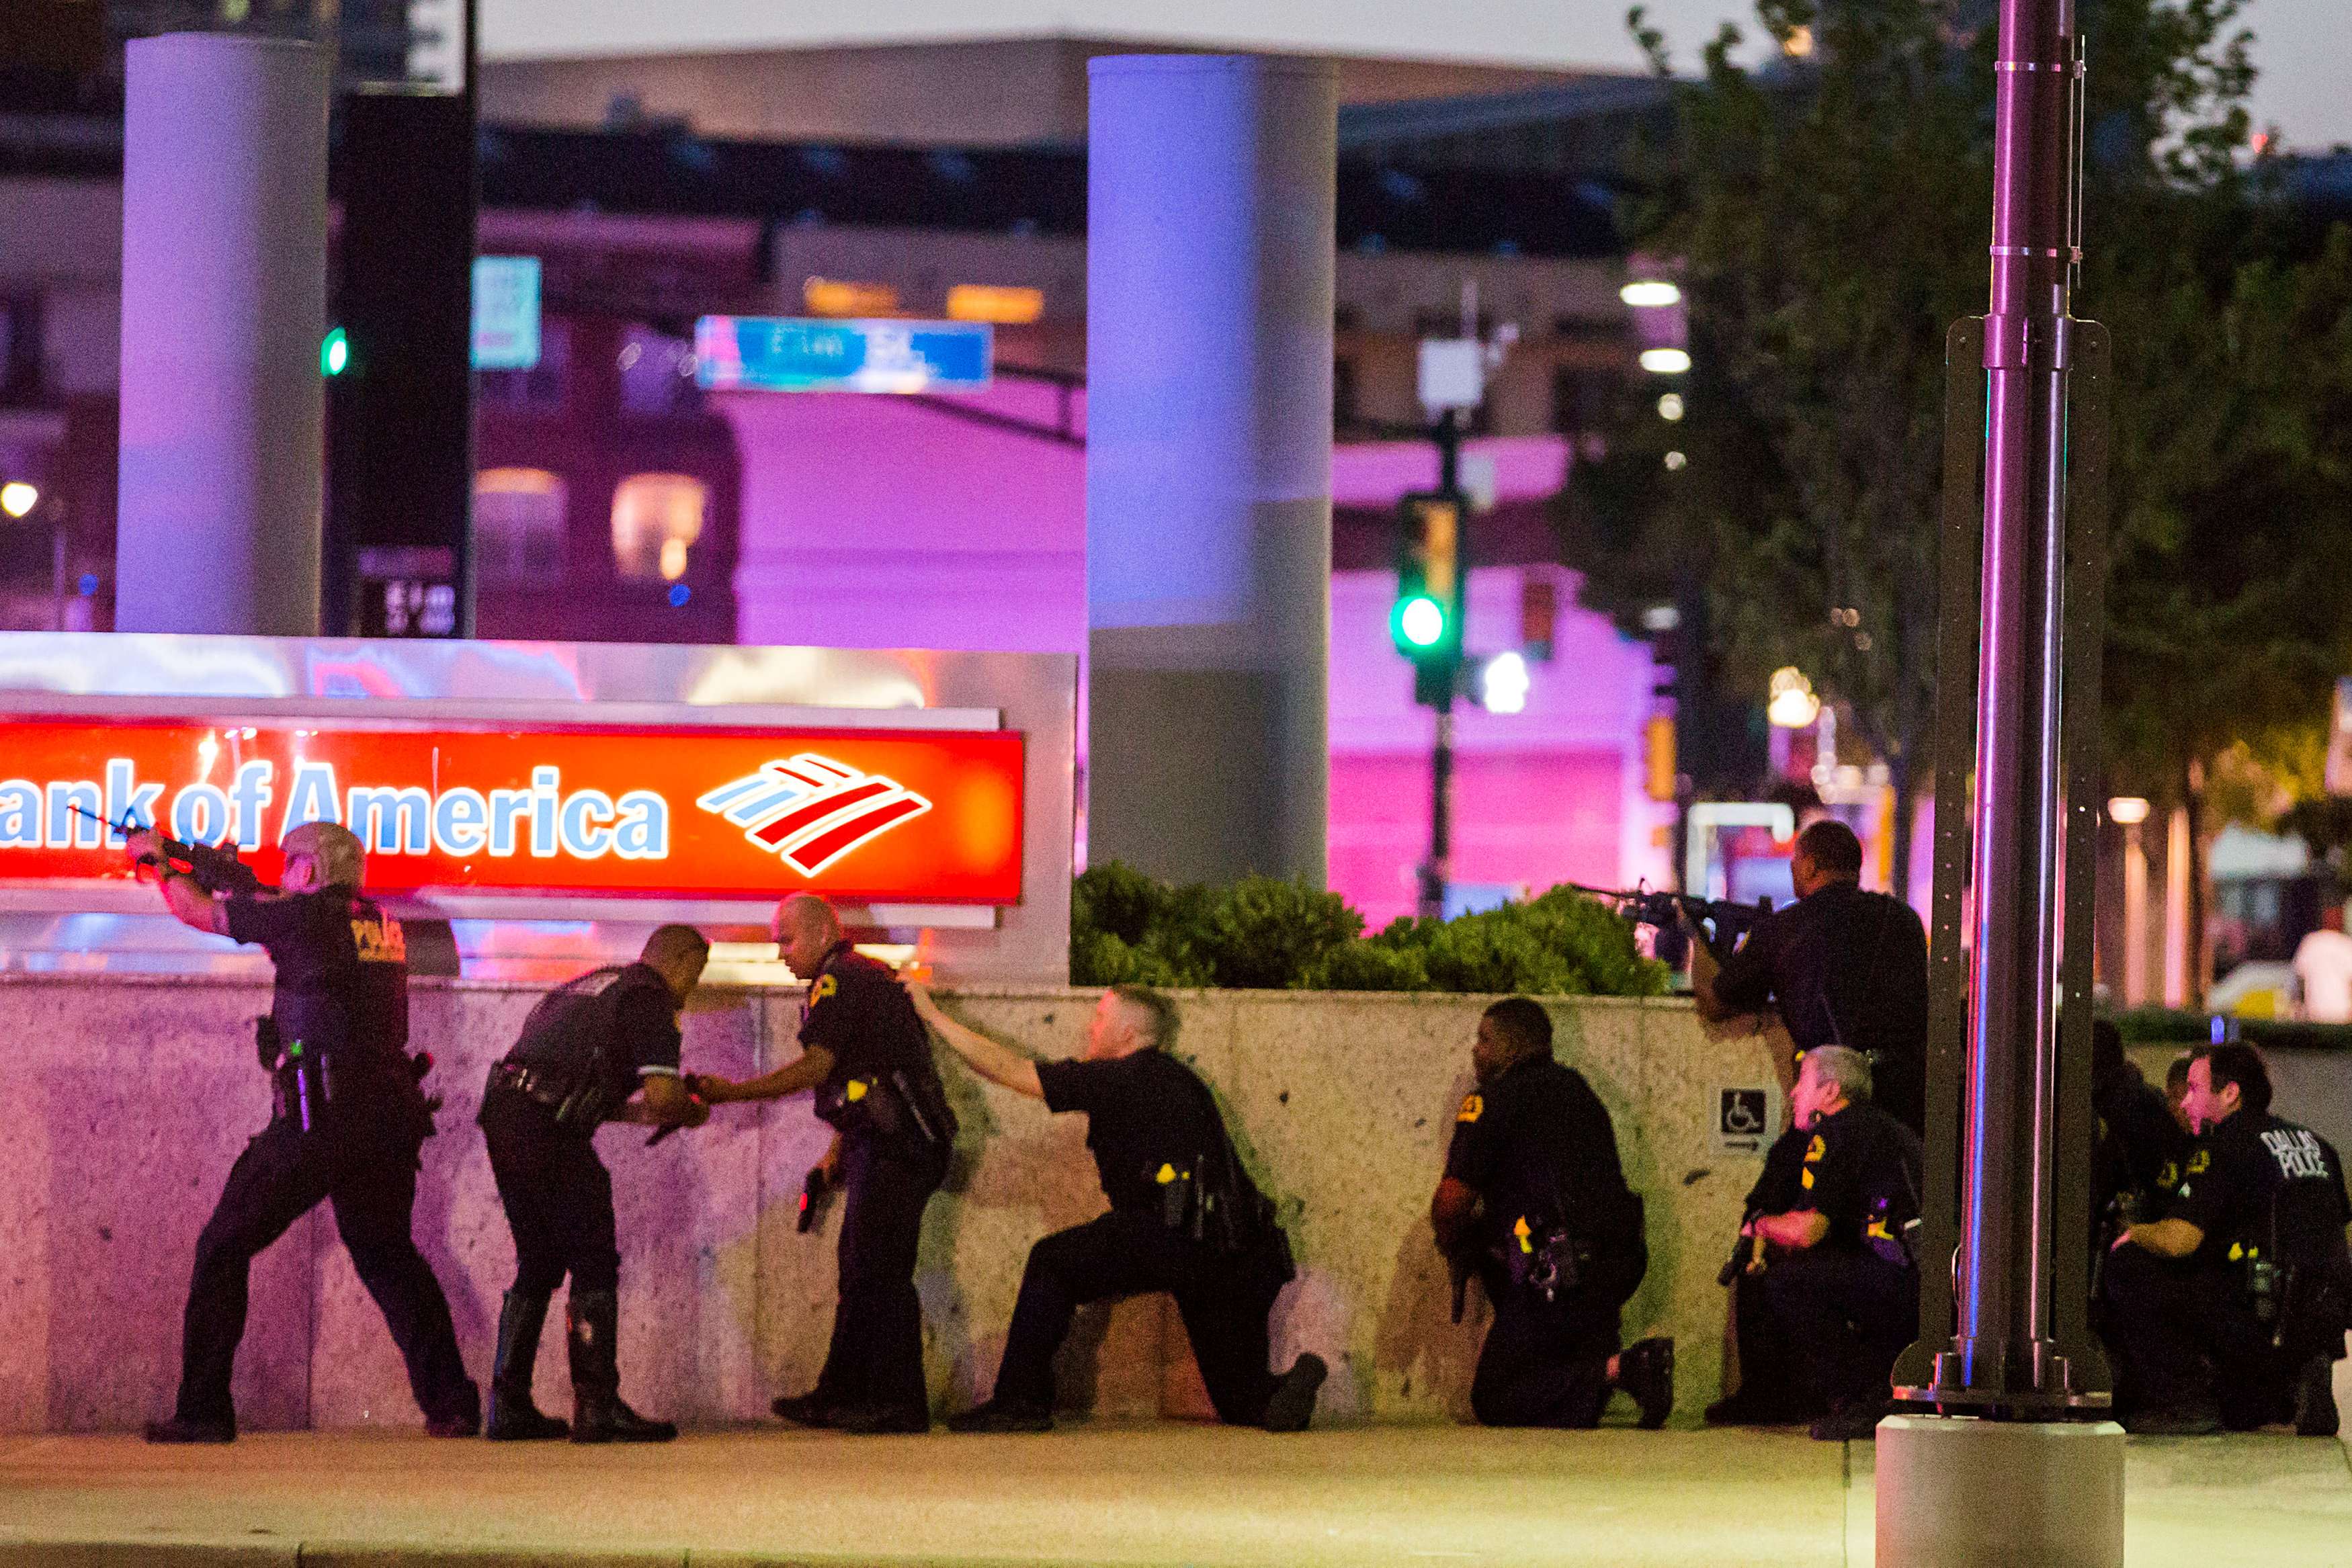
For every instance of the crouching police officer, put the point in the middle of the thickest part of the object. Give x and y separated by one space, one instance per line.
602 1048
349 1119
1184 1218
1535 1203
865 1055
2248 1271
1826 1291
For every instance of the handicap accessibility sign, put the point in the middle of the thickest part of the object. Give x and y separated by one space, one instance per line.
1746 1118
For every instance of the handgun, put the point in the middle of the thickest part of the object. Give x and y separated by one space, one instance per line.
815 1189
215 867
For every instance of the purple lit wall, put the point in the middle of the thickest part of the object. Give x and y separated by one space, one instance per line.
882 522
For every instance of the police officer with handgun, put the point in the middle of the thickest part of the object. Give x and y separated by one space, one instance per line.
865 1054
2232 1309
350 1117
1844 967
604 1047
1184 1218
1826 1284
1535 1204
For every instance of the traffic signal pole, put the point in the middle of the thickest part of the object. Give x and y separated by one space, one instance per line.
1436 871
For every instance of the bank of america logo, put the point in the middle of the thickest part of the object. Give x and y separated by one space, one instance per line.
813 810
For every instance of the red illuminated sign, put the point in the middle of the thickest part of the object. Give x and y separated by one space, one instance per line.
878 816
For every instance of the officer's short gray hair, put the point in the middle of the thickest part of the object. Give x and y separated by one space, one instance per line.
340 857
1843 1066
1154 1015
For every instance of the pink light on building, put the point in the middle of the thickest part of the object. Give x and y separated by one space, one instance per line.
892 522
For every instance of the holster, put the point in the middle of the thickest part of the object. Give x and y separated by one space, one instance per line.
1553 1264
302 1085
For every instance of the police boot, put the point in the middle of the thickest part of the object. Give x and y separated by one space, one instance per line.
598 1416
513 1417
1645 1369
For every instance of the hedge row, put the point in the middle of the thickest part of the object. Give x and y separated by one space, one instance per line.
1266 934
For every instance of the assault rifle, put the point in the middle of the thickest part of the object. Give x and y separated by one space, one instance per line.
1724 922
214 867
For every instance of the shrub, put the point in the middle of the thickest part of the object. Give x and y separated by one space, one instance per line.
1266 933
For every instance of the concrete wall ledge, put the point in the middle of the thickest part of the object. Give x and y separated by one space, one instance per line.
135 1093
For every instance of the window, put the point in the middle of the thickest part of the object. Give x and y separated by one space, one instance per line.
1579 395
656 373
656 518
1343 394
518 525
543 388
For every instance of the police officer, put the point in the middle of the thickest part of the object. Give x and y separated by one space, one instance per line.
1829 1295
865 1054
2140 1148
1769 1394
1184 1218
1534 1200
1844 967
602 1048
2189 1288
350 1120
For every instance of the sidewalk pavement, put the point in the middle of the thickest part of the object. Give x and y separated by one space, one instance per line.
1162 1494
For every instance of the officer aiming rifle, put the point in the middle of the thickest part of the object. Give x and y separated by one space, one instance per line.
1720 923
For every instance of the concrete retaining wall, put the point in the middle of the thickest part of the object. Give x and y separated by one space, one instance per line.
130 1097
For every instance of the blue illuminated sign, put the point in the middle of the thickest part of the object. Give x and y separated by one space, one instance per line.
506 312
756 354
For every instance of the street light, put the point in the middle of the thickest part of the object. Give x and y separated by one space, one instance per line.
18 498
1649 293
1503 683
1666 362
2128 812
1793 703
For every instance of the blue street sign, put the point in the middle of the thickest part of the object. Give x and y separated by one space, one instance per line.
758 353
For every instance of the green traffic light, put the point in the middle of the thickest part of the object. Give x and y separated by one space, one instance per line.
1421 620
334 352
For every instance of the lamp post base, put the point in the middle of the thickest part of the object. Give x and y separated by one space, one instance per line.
1956 1490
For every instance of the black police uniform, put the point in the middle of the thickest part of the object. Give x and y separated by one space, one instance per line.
2168 1316
883 1096
2139 1155
1184 1218
583 1052
342 1005
1769 1389
1832 1317
1536 1146
1845 968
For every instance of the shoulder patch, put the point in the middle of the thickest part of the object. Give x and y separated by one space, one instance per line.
2199 1162
1473 1107
826 985
1816 1150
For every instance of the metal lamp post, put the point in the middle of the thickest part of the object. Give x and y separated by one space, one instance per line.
2005 1360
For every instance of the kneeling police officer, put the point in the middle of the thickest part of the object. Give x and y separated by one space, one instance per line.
1535 1203
2247 1270
349 1121
601 1048
1826 1289
1184 1218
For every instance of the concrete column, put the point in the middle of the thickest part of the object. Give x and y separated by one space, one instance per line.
224 305
1954 1492
1210 238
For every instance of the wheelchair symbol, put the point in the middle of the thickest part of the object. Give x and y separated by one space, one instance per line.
1743 1112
